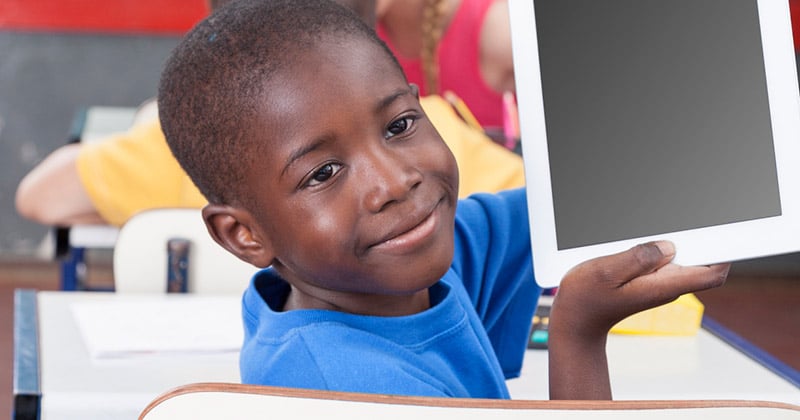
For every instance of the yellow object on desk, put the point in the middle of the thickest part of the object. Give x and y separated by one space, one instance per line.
680 317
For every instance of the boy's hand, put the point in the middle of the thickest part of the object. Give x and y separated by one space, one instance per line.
597 294
600 292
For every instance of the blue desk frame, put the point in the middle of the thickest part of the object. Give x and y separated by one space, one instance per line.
754 352
26 381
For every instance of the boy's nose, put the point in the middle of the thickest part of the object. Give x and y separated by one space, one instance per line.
389 179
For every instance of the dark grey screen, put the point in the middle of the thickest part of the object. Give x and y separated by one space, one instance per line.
657 116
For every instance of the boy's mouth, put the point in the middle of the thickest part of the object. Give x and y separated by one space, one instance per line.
407 237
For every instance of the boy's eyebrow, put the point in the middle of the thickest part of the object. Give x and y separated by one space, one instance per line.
297 154
388 100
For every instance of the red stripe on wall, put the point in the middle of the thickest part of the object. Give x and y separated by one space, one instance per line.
159 16
117 16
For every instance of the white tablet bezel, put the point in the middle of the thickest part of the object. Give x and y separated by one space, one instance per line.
702 246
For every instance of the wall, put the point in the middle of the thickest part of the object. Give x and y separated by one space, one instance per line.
57 56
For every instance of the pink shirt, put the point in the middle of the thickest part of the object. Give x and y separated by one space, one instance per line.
459 64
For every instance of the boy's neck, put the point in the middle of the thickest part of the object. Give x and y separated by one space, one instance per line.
361 304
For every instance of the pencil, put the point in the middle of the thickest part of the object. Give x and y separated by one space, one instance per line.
510 120
462 110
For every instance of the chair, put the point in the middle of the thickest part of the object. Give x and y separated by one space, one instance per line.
141 257
89 125
205 401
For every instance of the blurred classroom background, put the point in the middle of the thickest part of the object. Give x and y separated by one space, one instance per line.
56 58
60 56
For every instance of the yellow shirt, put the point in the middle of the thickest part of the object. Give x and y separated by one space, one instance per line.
483 165
135 170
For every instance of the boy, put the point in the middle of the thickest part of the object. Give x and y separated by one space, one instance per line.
299 127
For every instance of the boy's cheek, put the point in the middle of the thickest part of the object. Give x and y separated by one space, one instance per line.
450 160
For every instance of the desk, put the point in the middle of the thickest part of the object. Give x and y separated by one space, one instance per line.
74 386
645 368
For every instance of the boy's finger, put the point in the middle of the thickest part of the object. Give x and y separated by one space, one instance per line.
637 261
675 280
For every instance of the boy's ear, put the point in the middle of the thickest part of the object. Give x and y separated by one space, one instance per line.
235 230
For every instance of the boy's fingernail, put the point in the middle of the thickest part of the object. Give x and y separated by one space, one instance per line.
667 248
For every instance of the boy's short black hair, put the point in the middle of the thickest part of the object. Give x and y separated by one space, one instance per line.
214 82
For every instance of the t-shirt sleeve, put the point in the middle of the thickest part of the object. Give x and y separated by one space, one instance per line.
134 171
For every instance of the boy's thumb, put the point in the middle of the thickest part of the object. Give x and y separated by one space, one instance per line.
651 256
637 261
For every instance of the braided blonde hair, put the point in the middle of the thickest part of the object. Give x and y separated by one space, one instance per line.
432 30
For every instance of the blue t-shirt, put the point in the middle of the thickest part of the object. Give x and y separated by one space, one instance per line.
471 339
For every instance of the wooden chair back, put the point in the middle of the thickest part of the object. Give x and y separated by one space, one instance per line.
206 401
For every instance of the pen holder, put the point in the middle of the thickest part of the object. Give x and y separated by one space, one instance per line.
178 265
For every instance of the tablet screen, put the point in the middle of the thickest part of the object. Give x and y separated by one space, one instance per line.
671 118
657 119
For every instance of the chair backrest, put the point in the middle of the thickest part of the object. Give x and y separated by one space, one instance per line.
141 262
205 401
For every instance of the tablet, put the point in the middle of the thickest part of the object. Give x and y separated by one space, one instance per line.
657 119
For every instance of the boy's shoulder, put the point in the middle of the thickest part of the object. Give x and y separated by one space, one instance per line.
493 202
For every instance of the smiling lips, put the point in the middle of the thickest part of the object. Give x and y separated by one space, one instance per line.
408 240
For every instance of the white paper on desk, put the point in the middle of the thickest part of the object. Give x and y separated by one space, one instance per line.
127 328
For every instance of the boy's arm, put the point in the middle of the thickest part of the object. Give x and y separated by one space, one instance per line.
53 194
597 294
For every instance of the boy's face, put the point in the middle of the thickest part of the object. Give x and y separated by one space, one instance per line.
356 191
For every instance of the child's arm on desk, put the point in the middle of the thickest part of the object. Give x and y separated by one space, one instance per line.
597 294
53 194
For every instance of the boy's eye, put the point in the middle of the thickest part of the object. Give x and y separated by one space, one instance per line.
324 173
398 126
